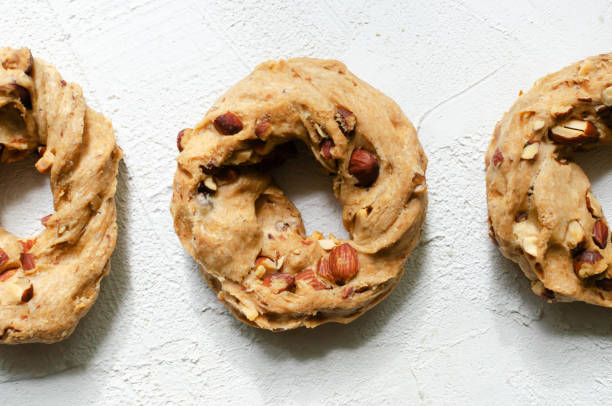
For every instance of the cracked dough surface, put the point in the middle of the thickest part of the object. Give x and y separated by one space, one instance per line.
542 212
249 239
47 283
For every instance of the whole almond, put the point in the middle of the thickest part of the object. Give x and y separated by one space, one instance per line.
600 234
228 124
364 166
262 128
343 263
326 146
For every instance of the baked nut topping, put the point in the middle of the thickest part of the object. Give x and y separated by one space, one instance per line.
248 237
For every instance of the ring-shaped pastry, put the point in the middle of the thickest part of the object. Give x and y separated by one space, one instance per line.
249 239
48 283
542 212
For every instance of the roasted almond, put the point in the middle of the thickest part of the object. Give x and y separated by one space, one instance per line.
587 263
419 183
600 234
530 150
179 138
45 219
343 263
279 282
6 275
498 158
323 269
205 190
346 120
267 263
263 128
593 205
364 166
326 146
27 294
574 132
27 244
27 261
560 110
309 277
574 235
228 123
347 291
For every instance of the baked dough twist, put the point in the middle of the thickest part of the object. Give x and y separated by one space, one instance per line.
249 239
49 282
542 212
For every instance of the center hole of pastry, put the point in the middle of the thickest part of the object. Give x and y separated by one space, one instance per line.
25 197
597 166
309 187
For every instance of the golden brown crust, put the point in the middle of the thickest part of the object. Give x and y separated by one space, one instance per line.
541 209
49 282
249 238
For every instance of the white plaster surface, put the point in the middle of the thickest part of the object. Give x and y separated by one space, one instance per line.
461 328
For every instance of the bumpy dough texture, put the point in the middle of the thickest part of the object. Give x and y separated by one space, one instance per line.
542 212
49 282
248 218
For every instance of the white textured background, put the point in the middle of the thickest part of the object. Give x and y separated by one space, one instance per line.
461 328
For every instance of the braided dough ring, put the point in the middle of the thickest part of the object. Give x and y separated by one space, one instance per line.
249 238
541 209
49 282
